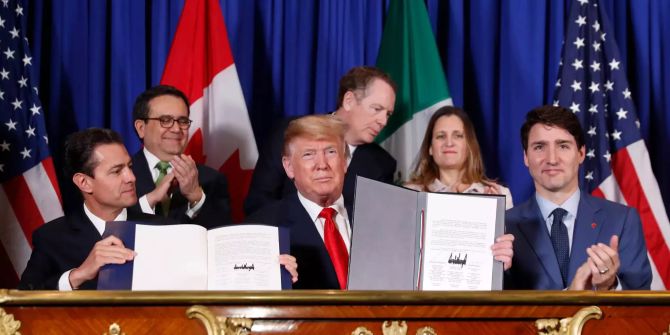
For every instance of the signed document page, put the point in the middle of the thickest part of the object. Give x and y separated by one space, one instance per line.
244 257
171 257
458 233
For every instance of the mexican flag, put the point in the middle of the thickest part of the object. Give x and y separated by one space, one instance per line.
408 53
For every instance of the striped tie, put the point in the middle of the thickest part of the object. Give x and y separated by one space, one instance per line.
162 167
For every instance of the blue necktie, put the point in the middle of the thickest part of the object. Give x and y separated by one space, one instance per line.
560 242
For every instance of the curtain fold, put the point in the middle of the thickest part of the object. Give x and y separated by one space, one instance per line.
500 59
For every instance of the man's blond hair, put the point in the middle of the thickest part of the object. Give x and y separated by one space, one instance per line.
315 127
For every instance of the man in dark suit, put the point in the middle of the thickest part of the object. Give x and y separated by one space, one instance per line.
314 157
566 238
366 99
170 183
68 252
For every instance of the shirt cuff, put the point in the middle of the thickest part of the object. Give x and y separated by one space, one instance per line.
144 205
64 282
193 211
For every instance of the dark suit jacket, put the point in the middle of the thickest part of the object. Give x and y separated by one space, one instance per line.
535 266
269 182
213 213
315 269
63 244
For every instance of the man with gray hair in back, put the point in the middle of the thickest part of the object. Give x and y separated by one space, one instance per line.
365 101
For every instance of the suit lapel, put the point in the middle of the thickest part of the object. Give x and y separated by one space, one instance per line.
300 219
83 238
304 231
585 233
82 226
535 230
144 181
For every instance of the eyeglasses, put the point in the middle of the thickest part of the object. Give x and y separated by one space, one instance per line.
168 121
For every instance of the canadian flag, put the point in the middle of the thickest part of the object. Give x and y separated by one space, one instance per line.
201 64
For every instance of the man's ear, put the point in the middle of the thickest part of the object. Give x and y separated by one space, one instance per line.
348 100
582 154
288 167
139 128
525 158
82 182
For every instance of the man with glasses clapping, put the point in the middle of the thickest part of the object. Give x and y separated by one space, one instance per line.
170 183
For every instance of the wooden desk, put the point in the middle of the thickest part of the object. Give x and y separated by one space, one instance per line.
332 312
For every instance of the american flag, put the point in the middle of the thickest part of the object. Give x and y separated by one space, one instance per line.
592 83
29 195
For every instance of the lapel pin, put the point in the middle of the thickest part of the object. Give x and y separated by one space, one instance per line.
593 225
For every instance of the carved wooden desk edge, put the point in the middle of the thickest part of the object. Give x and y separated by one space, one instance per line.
329 297
223 312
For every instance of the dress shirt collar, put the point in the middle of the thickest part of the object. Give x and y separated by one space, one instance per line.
152 160
352 148
314 209
100 223
547 207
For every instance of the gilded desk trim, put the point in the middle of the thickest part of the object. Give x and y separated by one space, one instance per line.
296 297
427 313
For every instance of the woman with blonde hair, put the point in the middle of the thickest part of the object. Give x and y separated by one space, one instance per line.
450 159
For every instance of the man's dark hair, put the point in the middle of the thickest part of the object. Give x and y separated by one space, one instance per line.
141 107
358 79
79 148
554 116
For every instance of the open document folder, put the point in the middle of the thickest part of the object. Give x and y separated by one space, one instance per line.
408 240
190 257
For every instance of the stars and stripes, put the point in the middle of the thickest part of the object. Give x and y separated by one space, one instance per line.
617 165
29 195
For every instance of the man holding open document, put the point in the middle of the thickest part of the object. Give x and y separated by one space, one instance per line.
69 252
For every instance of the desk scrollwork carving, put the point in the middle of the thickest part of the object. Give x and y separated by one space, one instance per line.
426 331
394 328
219 325
115 329
361 331
8 326
568 326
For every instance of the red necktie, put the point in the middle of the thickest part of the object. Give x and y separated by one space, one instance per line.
335 246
